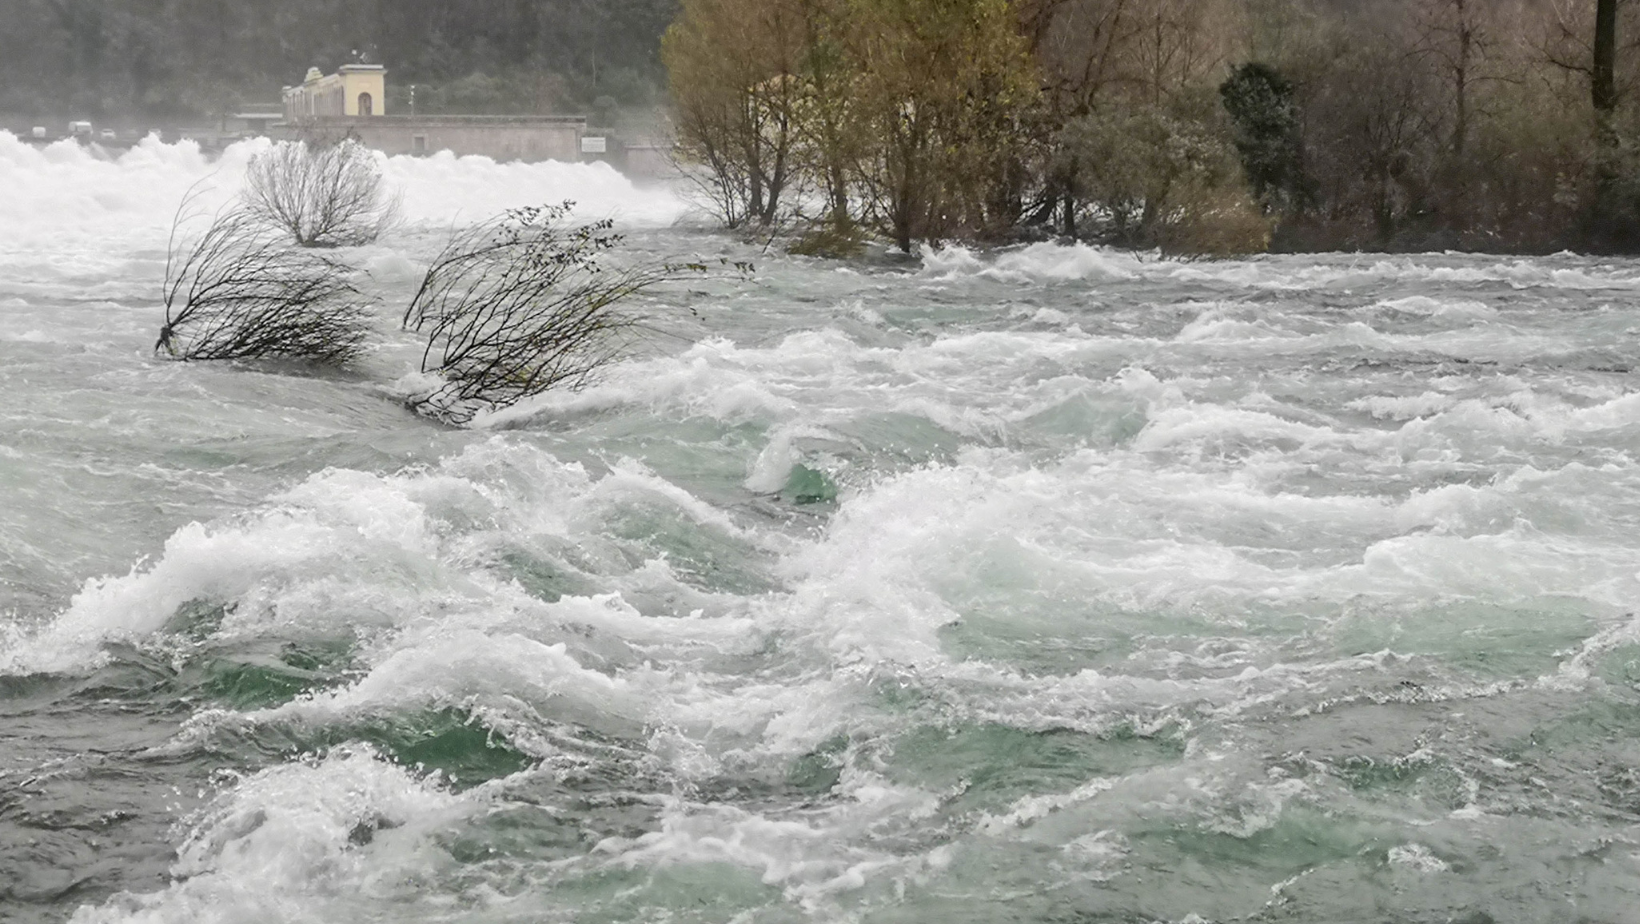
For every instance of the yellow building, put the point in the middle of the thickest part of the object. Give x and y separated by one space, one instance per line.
355 90
351 103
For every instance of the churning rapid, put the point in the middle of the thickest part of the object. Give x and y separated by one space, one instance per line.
1048 584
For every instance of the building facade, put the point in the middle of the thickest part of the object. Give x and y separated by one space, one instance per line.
353 102
355 90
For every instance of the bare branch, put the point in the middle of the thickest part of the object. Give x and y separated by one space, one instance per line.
521 304
237 293
322 195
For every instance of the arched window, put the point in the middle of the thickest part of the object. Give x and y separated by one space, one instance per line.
366 106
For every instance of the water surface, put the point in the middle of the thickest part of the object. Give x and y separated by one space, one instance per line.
1049 584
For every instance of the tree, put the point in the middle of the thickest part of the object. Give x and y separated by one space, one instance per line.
732 67
1454 34
321 194
828 147
1369 123
919 110
1160 180
522 304
237 293
1603 75
945 99
1262 108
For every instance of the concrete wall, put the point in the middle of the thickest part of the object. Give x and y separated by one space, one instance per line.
526 138
650 161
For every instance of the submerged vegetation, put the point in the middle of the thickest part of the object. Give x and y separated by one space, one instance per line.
1194 126
510 308
522 304
237 292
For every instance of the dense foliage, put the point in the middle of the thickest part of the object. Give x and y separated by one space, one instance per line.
1192 125
189 58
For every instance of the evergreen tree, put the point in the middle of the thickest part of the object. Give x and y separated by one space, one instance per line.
1265 116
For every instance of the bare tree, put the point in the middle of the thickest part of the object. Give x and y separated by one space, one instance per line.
521 304
1580 37
1454 35
238 293
322 195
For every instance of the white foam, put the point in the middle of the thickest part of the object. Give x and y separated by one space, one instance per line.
287 838
365 549
1035 262
1047 263
815 858
1403 407
774 464
1418 858
1444 309
64 194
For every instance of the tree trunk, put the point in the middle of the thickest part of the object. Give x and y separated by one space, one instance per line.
1466 41
1604 82
838 186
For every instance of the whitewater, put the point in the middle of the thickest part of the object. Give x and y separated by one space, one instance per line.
1044 584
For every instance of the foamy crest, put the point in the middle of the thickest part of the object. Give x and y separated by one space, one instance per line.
1444 309
1418 858
1035 262
368 550
298 841
814 860
1046 263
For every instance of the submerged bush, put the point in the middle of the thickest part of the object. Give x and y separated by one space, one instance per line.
321 194
521 304
237 292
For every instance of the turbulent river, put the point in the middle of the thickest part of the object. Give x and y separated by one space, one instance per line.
1049 584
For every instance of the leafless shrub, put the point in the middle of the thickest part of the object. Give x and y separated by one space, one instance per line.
521 304
239 293
321 194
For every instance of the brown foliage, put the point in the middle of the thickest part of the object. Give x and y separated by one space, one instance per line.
1415 123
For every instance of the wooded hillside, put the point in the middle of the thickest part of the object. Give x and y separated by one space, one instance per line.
192 58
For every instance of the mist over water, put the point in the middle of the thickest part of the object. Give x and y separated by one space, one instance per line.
1048 584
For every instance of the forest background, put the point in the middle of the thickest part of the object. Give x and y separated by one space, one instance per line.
168 61
1194 126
